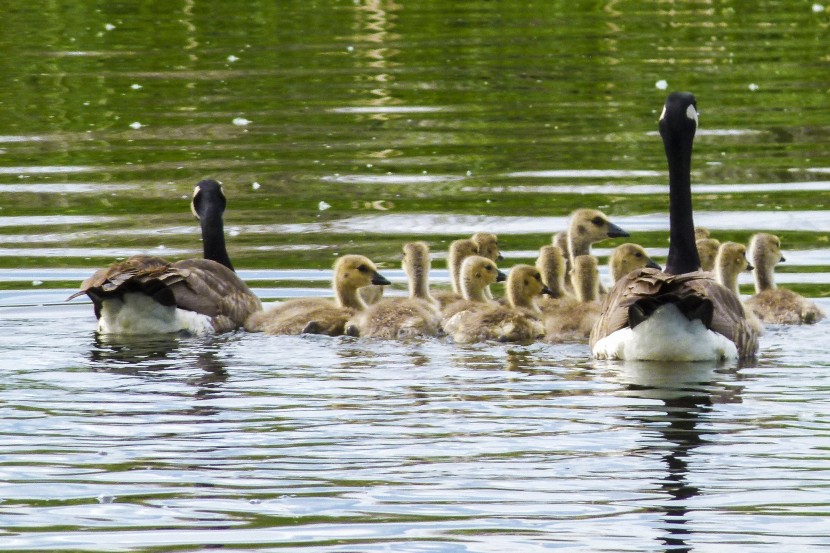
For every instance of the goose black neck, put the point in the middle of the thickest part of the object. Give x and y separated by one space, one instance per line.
683 256
213 237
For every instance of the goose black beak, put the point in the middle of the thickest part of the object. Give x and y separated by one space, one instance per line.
500 276
547 291
616 232
380 280
500 257
783 259
749 266
652 265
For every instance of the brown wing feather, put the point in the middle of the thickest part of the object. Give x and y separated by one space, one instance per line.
657 287
198 285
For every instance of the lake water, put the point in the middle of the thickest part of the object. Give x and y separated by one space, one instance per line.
353 127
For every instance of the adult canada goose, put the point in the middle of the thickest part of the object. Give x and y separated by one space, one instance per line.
573 320
707 251
771 304
682 313
417 315
459 250
628 257
149 295
322 315
519 321
477 274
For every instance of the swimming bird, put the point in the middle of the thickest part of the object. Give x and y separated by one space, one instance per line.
681 313
587 227
416 315
322 315
488 246
476 275
628 257
707 251
771 304
459 250
519 321
730 262
149 295
573 320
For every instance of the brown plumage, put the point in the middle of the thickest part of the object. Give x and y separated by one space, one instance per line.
149 295
685 314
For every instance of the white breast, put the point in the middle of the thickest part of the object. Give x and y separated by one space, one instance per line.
140 314
666 336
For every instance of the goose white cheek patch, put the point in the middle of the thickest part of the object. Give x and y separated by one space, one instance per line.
691 113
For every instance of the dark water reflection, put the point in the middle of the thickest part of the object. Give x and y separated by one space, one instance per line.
354 126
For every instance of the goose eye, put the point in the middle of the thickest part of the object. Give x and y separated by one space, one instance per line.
363 268
488 267
638 254
598 221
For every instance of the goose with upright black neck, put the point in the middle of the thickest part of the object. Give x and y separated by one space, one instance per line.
680 313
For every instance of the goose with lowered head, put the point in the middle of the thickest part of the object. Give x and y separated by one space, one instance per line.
681 313
149 295
519 321
322 315
416 315
771 304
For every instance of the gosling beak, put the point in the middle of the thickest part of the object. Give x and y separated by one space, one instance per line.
652 265
500 276
749 266
547 291
782 259
380 280
500 257
616 232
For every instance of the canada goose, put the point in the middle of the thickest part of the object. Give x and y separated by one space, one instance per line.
519 321
707 251
681 313
459 251
417 315
772 304
729 264
574 320
628 257
476 275
551 264
322 315
149 295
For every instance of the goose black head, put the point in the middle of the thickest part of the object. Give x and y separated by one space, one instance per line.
207 195
679 117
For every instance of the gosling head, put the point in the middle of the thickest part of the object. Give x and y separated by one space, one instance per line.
627 258
589 226
488 245
701 232
730 262
357 271
765 250
523 285
477 273
415 258
707 251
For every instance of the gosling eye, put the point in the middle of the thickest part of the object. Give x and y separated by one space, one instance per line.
598 221
488 267
638 254
363 268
